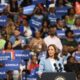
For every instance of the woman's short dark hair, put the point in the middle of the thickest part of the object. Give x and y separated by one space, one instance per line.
76 20
70 10
56 52
68 31
68 59
6 44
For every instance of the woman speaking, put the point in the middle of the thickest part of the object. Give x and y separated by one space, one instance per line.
52 63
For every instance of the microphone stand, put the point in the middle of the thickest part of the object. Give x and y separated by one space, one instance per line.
56 68
60 68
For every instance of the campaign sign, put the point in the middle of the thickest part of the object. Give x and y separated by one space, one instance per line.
22 54
52 18
2 73
61 33
25 55
76 32
36 22
77 39
18 54
2 7
12 64
77 56
5 56
61 11
28 9
38 1
3 20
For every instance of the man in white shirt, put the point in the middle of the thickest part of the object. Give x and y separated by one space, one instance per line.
52 38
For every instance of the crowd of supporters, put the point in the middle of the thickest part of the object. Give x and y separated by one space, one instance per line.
36 31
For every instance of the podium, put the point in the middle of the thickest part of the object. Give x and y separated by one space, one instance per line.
58 76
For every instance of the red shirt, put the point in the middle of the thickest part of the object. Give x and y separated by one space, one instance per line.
32 66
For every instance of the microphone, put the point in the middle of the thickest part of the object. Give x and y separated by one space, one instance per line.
56 68
60 67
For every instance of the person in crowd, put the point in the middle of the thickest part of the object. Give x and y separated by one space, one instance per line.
76 5
43 9
37 44
32 63
52 16
71 59
72 66
17 44
26 47
10 27
16 75
76 54
18 24
60 3
17 36
8 49
27 30
52 63
2 42
44 30
69 41
76 25
9 75
13 6
20 15
65 54
61 8
69 67
70 17
61 25
52 38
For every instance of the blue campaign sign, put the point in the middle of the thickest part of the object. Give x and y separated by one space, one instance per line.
33 73
12 64
3 20
5 57
2 73
38 1
18 54
78 39
28 9
36 22
52 18
22 54
77 56
61 11
2 7
61 33
26 55
76 32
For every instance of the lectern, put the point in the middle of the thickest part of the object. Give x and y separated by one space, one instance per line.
58 76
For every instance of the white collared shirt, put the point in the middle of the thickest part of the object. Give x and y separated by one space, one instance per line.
53 40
